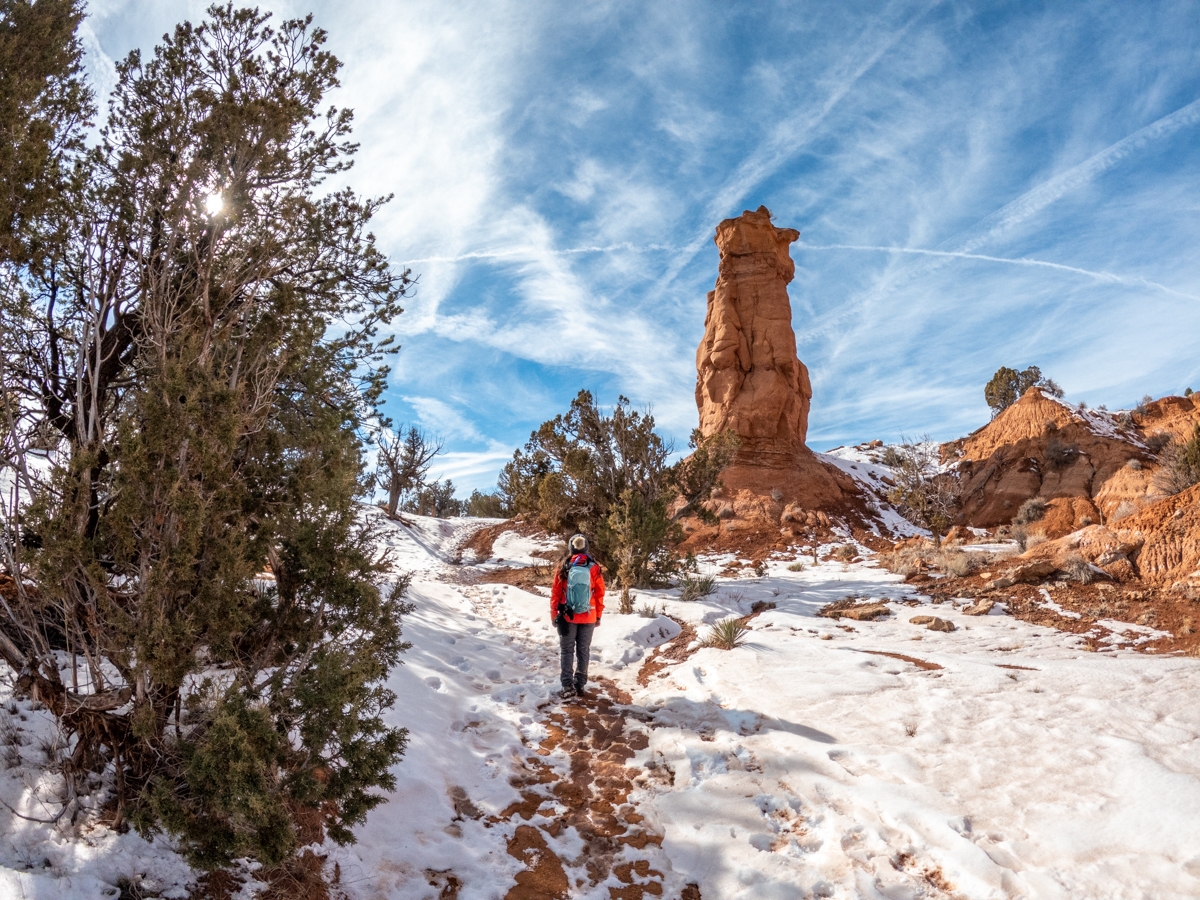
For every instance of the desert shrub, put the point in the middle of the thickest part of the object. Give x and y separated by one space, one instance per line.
486 506
626 604
797 566
1180 467
924 494
1032 510
694 587
1026 538
957 563
761 606
1079 569
1059 453
650 611
1135 464
1125 509
608 477
891 458
1158 441
760 568
727 634
843 552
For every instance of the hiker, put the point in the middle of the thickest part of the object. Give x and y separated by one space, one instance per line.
576 604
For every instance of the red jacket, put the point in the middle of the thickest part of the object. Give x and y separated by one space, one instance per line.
558 594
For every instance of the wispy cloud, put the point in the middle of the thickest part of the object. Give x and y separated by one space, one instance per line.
976 186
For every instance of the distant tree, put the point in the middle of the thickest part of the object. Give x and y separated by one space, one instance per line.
923 493
1007 386
486 506
435 499
1187 392
206 401
402 464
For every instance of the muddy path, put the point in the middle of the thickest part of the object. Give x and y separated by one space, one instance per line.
577 829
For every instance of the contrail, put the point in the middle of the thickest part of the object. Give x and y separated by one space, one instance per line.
1020 261
1034 201
526 252
787 140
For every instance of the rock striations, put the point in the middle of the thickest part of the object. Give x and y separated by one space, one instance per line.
748 375
750 380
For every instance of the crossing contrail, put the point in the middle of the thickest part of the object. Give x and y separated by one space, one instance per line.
1108 277
529 252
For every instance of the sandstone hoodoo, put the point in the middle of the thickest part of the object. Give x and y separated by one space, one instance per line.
749 378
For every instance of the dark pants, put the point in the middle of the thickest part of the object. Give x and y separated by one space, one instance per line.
576 646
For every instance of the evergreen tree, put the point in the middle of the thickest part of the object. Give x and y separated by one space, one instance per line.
44 107
185 345
486 506
1007 386
608 476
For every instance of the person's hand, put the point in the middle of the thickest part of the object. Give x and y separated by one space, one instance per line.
597 621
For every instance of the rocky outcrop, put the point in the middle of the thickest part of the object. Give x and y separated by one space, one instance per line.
749 379
1040 447
748 375
1159 545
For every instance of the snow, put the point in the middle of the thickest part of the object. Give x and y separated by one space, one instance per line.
803 763
857 462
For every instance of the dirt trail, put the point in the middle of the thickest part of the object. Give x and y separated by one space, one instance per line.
580 778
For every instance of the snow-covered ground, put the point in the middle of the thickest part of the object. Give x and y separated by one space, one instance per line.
803 763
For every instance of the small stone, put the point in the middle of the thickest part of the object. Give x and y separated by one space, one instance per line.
982 608
827 637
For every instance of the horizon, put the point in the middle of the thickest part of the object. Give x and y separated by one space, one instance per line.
974 187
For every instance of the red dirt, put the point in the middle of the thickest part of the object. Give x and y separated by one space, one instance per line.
919 663
596 736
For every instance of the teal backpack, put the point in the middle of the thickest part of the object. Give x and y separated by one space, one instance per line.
579 589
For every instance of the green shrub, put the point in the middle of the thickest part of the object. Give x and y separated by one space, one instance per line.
694 587
727 634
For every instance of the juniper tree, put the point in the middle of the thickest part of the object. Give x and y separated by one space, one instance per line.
207 369
608 476
1007 386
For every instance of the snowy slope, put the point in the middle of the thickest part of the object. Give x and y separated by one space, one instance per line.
804 763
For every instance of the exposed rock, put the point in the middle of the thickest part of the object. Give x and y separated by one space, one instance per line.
932 623
850 608
980 608
749 379
1169 536
865 613
1039 446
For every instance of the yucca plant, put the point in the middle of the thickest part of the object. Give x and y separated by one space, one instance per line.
727 634
693 587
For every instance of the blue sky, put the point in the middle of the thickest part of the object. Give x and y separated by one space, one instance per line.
976 185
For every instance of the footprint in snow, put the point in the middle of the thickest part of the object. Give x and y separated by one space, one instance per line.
461 663
434 682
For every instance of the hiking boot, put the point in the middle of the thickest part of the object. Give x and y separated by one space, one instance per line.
568 692
581 694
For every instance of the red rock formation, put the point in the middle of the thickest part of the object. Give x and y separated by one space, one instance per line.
1039 447
749 378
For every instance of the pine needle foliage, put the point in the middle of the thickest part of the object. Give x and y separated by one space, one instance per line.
207 406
